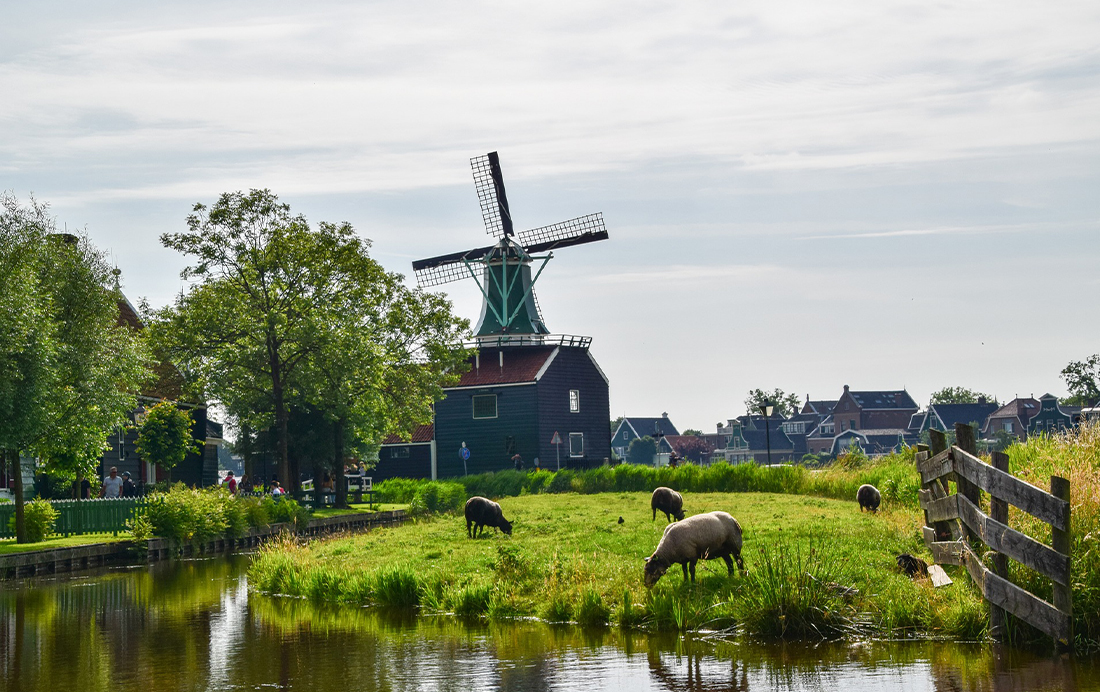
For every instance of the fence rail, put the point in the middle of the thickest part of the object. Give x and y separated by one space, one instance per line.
961 516
79 517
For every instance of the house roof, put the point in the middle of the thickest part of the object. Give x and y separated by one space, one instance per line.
649 426
522 364
758 439
896 398
213 431
1023 409
950 414
421 434
127 315
822 407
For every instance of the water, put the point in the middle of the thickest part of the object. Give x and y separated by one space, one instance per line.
193 625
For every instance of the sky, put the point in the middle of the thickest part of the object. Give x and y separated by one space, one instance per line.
798 194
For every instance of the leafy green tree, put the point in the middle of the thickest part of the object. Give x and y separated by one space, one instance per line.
642 450
786 405
284 316
1083 379
693 432
959 395
68 370
615 423
164 436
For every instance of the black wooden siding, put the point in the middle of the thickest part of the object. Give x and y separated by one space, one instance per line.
517 416
417 465
573 369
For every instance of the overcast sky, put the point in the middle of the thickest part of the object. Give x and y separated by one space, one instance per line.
799 194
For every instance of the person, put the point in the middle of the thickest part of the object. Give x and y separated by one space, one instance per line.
112 485
84 490
245 485
538 467
276 489
673 460
231 482
517 460
128 487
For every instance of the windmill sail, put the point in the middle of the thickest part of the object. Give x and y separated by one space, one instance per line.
443 269
490 193
583 229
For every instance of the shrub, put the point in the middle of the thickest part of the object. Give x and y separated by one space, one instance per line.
438 496
194 515
38 520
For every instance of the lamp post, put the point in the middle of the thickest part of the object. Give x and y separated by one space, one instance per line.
766 408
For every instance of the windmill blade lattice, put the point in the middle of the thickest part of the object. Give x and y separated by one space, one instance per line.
444 269
490 193
583 229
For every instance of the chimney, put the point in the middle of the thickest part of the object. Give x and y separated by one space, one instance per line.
981 400
845 388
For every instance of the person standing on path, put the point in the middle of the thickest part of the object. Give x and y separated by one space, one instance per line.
112 485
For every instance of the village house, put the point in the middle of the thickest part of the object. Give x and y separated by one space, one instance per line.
631 428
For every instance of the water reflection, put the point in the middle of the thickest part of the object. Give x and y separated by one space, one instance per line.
194 626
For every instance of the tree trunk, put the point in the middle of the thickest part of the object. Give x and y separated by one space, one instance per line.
338 463
17 492
290 483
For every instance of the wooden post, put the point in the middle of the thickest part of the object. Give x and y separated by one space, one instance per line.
1060 541
943 528
964 440
998 511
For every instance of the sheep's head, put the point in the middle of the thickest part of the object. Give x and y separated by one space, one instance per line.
655 568
506 526
679 514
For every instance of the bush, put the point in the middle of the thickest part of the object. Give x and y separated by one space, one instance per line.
438 496
38 520
194 515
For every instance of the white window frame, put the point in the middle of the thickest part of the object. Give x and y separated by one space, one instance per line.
473 406
574 401
576 436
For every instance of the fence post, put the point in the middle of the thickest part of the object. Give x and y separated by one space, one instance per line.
998 511
1060 541
964 440
943 528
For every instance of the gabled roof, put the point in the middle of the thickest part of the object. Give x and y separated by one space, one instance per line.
950 414
420 435
885 399
758 439
521 365
649 426
821 407
1023 409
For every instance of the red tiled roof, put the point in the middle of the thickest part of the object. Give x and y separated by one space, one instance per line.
422 433
521 364
127 316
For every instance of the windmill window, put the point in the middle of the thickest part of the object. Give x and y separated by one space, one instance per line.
485 406
574 401
576 444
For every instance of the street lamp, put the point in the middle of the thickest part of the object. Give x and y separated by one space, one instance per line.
766 408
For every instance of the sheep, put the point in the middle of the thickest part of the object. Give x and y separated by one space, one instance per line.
913 566
482 512
868 498
703 536
668 501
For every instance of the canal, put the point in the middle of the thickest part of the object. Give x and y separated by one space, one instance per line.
193 625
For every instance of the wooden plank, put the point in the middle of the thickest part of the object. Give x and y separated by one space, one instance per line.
944 509
1032 610
964 437
1063 596
1022 494
936 467
947 552
929 535
998 512
938 576
1018 546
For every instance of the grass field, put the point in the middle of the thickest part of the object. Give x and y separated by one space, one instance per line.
9 546
570 560
359 509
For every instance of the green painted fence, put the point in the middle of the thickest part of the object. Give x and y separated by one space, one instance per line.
78 517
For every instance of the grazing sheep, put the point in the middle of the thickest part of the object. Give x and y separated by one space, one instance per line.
868 497
913 566
482 512
701 537
668 501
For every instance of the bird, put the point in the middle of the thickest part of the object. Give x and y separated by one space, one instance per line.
621 520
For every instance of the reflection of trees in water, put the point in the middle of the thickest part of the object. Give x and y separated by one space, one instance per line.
695 670
1001 669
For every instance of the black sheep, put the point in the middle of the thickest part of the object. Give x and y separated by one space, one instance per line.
913 566
482 512
668 501
868 498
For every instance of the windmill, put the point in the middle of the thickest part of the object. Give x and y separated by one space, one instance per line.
503 271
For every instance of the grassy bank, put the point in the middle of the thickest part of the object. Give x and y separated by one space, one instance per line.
570 560
892 474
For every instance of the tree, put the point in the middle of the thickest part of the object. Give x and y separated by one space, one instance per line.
284 316
164 436
786 405
693 432
1083 380
693 447
68 370
958 395
642 450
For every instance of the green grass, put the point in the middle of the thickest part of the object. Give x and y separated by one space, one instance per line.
570 559
362 508
9 546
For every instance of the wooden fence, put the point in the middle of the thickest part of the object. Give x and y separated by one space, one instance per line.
80 517
956 527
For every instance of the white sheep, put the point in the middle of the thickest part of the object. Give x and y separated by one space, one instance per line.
701 537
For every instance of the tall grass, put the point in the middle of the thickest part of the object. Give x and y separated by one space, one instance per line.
892 474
